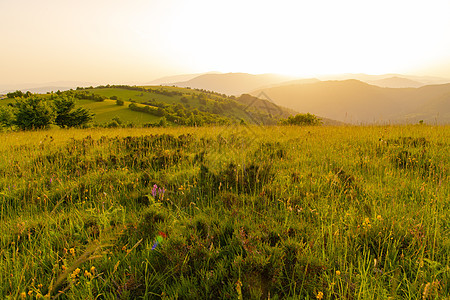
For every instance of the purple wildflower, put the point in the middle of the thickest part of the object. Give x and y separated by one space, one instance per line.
155 187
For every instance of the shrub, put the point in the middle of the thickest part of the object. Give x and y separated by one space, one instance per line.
302 119
66 116
33 113
6 116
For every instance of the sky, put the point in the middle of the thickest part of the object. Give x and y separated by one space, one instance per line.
137 41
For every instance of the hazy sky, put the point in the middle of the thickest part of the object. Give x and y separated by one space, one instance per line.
136 41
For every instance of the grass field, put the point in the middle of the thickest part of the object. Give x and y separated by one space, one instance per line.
106 110
226 212
177 104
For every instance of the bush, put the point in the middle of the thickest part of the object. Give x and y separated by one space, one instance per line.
302 119
67 117
120 102
6 116
19 94
33 113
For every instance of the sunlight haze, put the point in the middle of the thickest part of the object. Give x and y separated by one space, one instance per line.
137 41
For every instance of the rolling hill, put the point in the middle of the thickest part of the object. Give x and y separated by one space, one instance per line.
353 101
232 83
169 80
396 82
179 106
40 88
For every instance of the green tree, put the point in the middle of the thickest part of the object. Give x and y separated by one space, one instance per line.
6 116
19 94
33 113
67 115
162 122
302 119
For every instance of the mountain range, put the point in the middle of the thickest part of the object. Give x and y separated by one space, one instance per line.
353 101
240 83
349 98
40 88
232 83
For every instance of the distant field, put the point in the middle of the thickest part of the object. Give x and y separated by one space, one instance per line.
134 95
107 110
240 212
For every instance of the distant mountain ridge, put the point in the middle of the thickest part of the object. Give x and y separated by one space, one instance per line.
170 80
232 83
353 101
40 88
396 82
241 83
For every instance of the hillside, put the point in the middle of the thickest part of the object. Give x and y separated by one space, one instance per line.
178 106
396 82
39 88
357 102
169 80
232 83
367 78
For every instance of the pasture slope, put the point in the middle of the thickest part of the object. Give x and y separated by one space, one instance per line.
179 106
226 212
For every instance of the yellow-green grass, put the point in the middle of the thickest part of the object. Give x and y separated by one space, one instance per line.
142 96
248 212
107 110
125 94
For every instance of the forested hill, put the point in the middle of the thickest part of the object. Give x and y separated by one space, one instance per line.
120 105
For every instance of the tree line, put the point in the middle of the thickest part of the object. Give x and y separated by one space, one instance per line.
34 112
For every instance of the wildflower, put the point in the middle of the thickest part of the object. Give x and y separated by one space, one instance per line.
338 273
75 273
63 267
23 295
87 274
319 295
379 218
72 251
30 292
154 189
92 269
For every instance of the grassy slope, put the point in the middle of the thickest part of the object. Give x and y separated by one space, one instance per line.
107 110
251 211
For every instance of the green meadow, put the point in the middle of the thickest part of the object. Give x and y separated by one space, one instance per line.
132 106
227 212
107 110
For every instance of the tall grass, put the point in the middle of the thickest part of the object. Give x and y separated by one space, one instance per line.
226 212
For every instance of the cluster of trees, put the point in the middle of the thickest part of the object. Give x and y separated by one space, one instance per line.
86 95
19 94
302 119
178 114
137 88
36 112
